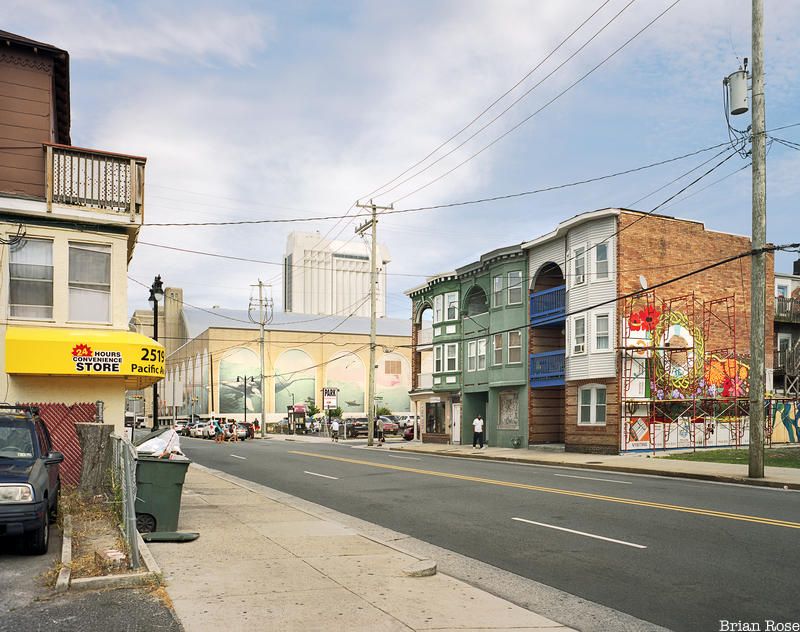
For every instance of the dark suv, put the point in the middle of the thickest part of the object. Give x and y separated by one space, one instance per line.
29 481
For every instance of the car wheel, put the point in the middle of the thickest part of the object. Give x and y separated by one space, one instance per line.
39 540
145 523
53 515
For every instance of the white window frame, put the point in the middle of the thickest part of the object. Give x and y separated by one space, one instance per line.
594 407
451 302
515 286
481 354
51 281
437 358
105 249
438 308
448 348
575 337
782 291
596 331
518 347
495 349
579 254
597 261
472 356
497 292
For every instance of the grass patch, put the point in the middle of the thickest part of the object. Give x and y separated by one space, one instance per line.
773 457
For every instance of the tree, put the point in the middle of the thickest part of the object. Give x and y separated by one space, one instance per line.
382 411
335 412
311 407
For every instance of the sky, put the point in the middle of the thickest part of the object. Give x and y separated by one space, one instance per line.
273 110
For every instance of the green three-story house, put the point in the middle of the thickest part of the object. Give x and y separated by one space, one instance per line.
470 350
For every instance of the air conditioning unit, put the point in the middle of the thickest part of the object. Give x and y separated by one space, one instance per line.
579 278
579 348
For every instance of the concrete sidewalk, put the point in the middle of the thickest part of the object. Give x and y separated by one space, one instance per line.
780 477
261 564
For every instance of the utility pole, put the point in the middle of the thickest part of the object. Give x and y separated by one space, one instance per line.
758 272
265 314
373 320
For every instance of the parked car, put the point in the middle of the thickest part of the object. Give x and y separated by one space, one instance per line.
197 429
208 430
390 427
239 429
408 433
251 429
179 426
357 427
29 477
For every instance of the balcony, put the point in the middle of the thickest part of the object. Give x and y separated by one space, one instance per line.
424 381
787 361
787 310
548 306
96 181
547 369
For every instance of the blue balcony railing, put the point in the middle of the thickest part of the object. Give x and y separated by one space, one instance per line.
547 369
548 306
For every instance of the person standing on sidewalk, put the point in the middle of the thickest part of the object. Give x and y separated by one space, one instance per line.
477 432
335 431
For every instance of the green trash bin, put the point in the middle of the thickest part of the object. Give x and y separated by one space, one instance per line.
159 483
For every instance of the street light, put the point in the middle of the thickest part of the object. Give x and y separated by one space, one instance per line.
243 380
156 295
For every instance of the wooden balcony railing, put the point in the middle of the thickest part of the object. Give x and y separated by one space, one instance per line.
547 369
548 306
94 180
787 309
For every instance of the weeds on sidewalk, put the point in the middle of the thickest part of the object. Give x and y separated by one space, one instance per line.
784 456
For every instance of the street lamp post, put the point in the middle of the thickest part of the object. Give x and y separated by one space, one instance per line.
156 295
243 379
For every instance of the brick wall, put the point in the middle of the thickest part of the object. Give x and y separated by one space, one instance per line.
600 439
661 248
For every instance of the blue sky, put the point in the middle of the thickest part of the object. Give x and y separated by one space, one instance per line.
270 110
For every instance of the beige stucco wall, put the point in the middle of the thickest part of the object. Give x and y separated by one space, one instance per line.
68 390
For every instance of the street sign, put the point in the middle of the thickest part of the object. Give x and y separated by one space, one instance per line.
330 397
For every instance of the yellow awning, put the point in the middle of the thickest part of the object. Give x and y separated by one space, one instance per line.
89 353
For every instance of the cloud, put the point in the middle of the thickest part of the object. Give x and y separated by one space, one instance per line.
158 32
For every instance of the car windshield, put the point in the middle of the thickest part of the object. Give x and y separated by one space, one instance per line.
16 441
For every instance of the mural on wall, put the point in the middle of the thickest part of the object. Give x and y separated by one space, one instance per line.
295 379
785 422
233 394
347 373
676 391
508 417
392 383
204 383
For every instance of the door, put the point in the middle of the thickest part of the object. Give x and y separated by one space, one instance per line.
784 344
455 434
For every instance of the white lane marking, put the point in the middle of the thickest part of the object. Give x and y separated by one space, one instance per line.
589 478
410 458
333 478
588 535
243 458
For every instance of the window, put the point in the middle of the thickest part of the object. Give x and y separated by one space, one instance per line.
451 301
497 294
451 356
31 279
601 338
601 261
514 347
472 349
498 349
437 359
514 287
392 367
482 354
579 337
580 265
592 404
89 283
438 302
783 291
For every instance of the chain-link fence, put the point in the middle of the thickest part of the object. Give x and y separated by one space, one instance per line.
123 473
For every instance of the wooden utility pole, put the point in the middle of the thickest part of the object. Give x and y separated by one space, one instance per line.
265 314
373 319
758 272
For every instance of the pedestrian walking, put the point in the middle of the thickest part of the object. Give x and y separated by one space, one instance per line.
379 429
477 432
335 431
218 438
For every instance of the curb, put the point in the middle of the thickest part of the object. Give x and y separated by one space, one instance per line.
699 476
62 581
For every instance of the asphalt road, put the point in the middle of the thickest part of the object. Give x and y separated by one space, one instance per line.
682 554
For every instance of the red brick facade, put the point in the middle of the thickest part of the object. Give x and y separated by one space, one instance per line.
599 439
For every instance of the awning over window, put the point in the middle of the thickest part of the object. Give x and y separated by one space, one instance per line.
85 353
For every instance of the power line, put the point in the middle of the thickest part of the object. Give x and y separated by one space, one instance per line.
550 102
493 103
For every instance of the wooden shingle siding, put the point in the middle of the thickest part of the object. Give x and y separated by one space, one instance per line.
26 106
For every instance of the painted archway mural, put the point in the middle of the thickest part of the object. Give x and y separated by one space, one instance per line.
295 379
392 383
346 372
239 363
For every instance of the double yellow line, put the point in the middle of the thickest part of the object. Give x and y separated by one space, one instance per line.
564 492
